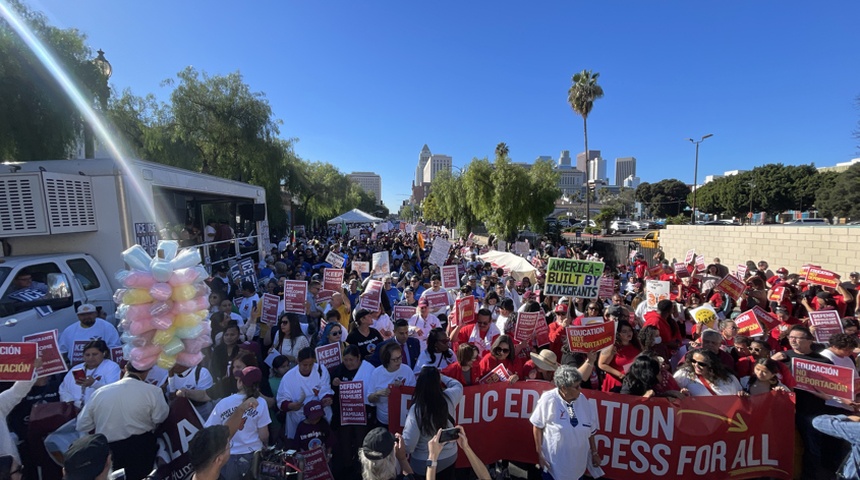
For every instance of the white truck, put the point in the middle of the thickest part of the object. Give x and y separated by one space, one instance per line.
64 224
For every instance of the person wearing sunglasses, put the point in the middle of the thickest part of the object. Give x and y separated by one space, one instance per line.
481 334
703 374
504 353
564 424
761 349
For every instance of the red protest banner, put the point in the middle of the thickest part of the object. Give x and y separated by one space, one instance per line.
295 294
174 434
827 323
16 361
269 305
681 270
637 437
329 355
450 279
372 296
464 311
333 279
831 380
352 411
768 321
825 278
606 287
748 324
804 270
498 374
527 324
316 465
436 300
590 338
542 334
403 311
49 352
731 286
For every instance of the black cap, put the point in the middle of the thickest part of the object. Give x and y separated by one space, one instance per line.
378 444
86 457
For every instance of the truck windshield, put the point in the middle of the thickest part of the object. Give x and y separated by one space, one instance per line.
4 272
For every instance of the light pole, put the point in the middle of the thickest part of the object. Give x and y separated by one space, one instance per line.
750 215
105 69
696 175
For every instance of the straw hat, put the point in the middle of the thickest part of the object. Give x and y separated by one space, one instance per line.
546 360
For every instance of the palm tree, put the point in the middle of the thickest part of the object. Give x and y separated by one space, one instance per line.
502 150
581 97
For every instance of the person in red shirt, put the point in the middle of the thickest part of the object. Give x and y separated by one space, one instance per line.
640 267
465 370
778 338
670 332
481 334
827 299
503 353
761 349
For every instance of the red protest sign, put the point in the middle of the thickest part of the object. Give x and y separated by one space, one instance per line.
466 309
831 380
542 334
372 296
777 293
827 323
333 279
768 321
804 270
590 338
748 324
16 361
436 300
741 272
49 352
295 294
655 271
352 411
606 287
527 324
691 254
329 355
681 270
403 311
700 263
269 306
324 295
117 355
316 465
450 279
819 276
173 460
666 439
731 286
361 267
498 374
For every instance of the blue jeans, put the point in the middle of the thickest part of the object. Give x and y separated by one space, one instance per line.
238 467
840 427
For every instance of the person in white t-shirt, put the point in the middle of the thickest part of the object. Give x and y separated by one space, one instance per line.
392 372
254 434
96 371
88 328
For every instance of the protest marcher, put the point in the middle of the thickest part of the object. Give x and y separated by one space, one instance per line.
314 431
616 361
703 374
503 353
382 321
763 378
349 437
332 333
670 333
340 304
89 327
482 334
438 352
391 372
209 451
465 370
564 424
761 349
435 449
289 340
541 366
712 341
422 322
410 347
435 401
127 412
254 434
362 334
381 453
224 353
87 458
648 378
507 316
847 428
96 371
305 382
8 399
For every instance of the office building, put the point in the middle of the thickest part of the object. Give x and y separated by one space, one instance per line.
624 167
369 182
597 171
570 179
423 158
580 159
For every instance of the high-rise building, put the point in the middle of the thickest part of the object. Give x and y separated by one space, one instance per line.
570 179
369 182
631 182
435 164
624 167
580 159
597 170
423 158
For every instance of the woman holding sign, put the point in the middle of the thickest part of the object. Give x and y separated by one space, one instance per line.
502 353
616 361
85 378
703 374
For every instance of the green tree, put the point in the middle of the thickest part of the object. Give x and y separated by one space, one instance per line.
39 121
581 97
405 213
664 198
502 150
431 209
543 193
843 197
455 210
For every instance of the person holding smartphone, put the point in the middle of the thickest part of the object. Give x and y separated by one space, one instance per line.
84 379
435 400
458 435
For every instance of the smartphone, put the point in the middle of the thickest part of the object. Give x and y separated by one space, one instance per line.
449 434
117 474
79 374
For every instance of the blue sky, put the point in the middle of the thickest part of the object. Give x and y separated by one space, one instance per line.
364 85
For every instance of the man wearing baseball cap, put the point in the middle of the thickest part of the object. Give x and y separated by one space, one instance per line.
88 458
89 327
422 322
375 454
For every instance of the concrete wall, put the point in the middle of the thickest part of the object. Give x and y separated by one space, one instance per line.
834 248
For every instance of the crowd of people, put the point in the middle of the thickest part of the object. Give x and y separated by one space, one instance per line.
260 385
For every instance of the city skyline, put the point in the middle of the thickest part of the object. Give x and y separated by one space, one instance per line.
670 71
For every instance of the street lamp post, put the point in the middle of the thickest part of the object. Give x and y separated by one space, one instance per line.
696 175
105 69
750 215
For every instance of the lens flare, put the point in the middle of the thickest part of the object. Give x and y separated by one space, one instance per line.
70 87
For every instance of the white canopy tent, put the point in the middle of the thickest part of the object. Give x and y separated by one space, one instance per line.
519 266
354 216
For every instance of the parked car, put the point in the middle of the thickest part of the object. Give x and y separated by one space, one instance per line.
809 221
621 226
650 240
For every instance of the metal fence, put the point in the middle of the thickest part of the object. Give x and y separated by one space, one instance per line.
616 251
